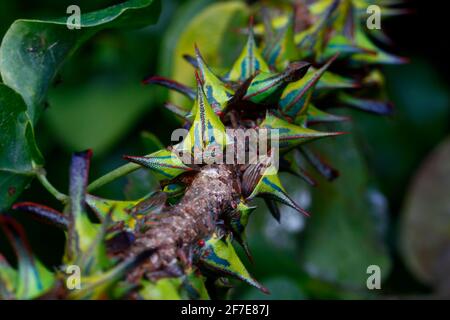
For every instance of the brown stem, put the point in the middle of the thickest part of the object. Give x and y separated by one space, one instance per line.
214 190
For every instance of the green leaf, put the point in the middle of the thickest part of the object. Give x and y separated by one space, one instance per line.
266 84
19 154
262 180
33 51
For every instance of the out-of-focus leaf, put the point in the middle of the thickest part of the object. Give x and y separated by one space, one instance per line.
31 53
425 224
341 239
96 115
18 151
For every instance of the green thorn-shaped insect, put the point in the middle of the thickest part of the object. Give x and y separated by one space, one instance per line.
262 180
31 279
127 211
219 255
164 163
315 115
290 135
373 54
238 223
280 48
266 85
342 45
297 95
330 81
312 41
215 90
206 137
249 62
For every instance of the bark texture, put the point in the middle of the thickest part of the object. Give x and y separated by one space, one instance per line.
178 229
